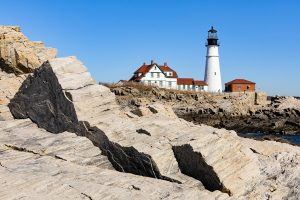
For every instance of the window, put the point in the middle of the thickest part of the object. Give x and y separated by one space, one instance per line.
158 75
170 84
160 83
215 73
170 73
183 87
152 74
149 82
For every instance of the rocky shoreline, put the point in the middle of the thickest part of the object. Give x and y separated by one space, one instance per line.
239 112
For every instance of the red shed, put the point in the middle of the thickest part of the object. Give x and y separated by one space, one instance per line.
240 85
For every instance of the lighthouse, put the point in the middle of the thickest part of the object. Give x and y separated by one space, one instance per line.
212 67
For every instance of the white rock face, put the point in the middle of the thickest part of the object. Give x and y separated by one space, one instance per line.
36 164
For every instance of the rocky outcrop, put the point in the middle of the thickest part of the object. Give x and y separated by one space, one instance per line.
18 55
157 144
242 112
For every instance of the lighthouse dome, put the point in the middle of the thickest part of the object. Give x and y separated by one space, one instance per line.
212 38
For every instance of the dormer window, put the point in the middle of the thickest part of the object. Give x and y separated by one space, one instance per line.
169 73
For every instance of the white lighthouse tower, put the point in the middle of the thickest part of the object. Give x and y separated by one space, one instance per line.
212 66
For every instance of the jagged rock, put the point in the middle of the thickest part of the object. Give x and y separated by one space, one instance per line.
18 55
42 99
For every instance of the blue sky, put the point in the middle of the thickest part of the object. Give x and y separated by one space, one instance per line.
259 38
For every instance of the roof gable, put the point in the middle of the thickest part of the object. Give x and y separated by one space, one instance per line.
144 69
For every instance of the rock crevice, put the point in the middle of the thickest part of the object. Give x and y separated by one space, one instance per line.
193 164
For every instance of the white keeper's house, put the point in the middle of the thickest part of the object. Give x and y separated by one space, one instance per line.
165 77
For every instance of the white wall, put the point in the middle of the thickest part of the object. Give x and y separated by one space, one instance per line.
195 88
156 77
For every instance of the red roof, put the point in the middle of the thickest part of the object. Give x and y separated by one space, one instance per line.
198 82
190 81
185 81
239 81
145 69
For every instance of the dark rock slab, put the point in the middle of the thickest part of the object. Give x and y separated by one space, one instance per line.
42 99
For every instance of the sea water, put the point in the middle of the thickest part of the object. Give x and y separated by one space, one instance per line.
293 139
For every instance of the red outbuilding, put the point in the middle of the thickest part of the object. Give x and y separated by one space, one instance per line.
240 85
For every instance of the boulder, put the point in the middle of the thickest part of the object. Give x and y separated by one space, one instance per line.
18 54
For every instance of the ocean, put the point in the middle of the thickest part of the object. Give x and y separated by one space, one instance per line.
292 139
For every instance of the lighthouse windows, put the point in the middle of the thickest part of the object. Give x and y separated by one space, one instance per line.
215 73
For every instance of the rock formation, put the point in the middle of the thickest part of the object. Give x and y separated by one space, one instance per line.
18 55
70 139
